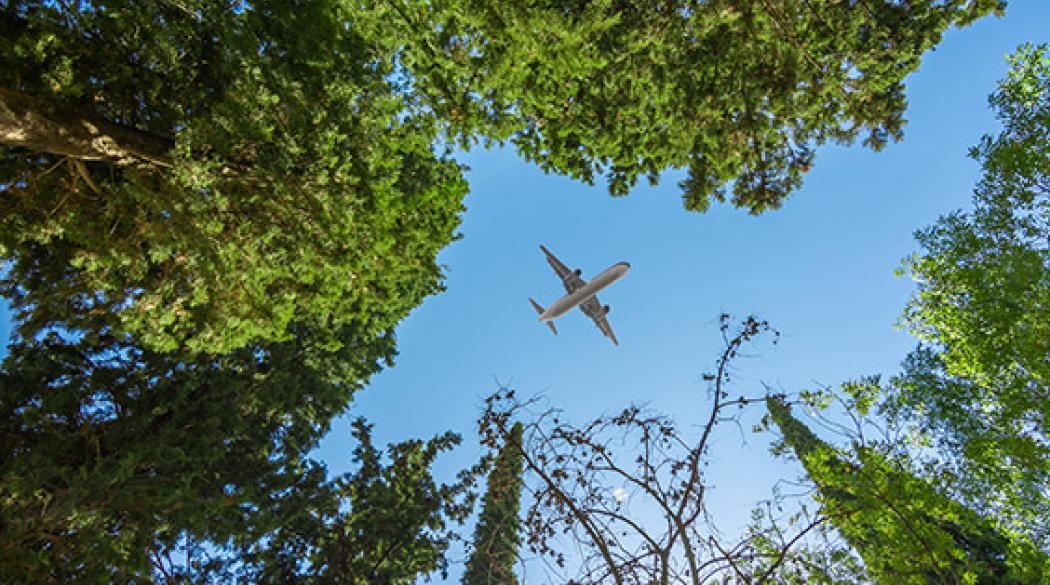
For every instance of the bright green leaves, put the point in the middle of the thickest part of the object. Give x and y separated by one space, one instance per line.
304 186
982 383
905 530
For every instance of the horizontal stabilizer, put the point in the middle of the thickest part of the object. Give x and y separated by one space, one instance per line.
540 309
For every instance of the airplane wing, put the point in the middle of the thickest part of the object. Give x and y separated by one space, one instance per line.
570 278
593 308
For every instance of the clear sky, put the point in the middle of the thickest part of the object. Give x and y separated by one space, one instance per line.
821 270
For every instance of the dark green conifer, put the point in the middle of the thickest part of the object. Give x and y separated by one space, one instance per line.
496 537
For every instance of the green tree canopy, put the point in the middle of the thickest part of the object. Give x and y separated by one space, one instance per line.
209 173
739 93
113 456
497 534
981 381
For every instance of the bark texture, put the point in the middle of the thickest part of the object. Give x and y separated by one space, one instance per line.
26 123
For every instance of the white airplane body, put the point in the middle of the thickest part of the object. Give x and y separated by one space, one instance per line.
581 294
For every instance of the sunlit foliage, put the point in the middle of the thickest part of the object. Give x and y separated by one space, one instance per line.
980 383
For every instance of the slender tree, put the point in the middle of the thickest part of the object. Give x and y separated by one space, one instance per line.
904 529
497 535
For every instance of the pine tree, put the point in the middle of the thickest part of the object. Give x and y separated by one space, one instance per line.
496 538
905 530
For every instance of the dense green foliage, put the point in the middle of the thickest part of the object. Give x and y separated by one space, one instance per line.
113 456
981 382
904 529
497 534
110 451
383 523
300 189
738 92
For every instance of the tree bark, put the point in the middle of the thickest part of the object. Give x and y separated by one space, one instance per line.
26 123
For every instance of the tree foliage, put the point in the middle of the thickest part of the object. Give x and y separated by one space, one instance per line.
980 383
212 173
111 451
497 534
114 456
383 523
906 531
739 93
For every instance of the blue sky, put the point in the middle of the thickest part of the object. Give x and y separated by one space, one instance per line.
821 270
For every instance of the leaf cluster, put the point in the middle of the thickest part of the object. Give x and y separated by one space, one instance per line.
980 383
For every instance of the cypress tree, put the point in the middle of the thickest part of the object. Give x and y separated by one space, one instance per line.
905 530
496 537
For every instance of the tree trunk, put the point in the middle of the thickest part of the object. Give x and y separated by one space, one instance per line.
26 123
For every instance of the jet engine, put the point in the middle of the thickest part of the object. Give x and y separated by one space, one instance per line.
605 310
578 271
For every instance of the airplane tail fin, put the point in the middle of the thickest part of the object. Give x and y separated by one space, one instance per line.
539 309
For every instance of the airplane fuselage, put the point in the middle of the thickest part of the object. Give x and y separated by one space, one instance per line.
571 301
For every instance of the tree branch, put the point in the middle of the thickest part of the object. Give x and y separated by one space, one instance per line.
25 122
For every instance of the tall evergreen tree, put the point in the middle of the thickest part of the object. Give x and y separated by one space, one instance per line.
498 532
110 453
906 532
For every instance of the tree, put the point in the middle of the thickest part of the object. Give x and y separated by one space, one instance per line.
497 534
115 457
738 93
383 523
980 382
212 174
905 530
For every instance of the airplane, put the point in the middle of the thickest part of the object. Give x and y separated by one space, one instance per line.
581 294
